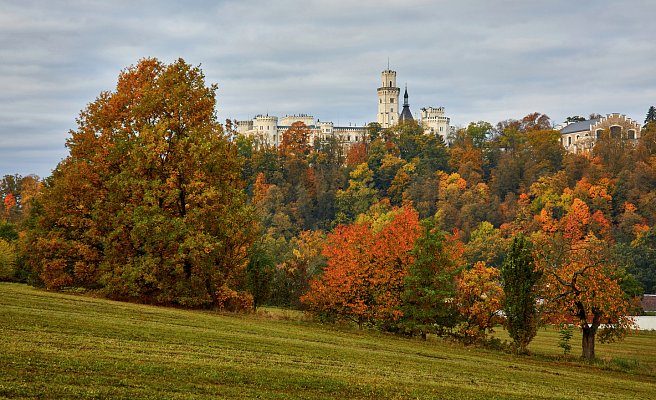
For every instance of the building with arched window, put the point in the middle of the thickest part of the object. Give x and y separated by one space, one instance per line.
581 136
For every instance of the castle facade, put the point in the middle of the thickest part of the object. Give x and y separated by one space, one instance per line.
268 130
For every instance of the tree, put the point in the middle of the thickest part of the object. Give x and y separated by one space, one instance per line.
651 115
303 262
574 118
582 282
430 285
486 243
7 260
366 266
295 140
479 299
260 270
149 204
520 278
359 195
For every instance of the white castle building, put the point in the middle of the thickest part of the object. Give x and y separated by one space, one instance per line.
268 130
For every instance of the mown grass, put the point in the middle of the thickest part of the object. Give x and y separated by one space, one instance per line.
55 345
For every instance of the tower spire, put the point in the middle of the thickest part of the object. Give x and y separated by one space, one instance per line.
406 115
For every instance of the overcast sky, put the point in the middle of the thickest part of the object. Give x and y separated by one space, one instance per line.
481 60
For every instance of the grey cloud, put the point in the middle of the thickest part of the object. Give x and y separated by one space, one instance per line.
481 60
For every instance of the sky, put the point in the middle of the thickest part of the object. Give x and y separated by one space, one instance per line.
481 60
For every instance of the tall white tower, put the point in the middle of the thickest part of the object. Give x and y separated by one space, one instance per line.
388 100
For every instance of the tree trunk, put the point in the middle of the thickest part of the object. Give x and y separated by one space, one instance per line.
588 342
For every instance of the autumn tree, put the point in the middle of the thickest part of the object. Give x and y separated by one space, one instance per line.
149 204
303 261
479 298
359 195
486 243
366 266
520 286
296 140
582 283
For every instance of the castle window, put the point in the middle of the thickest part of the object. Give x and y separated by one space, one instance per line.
391 109
390 83
381 101
392 100
598 133
569 141
615 132
631 134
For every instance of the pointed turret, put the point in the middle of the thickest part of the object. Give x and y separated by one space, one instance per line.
406 115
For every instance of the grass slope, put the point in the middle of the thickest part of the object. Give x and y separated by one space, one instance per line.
55 345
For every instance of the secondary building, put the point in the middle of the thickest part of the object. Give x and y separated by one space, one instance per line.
578 137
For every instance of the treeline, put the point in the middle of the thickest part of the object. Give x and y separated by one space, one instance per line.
157 202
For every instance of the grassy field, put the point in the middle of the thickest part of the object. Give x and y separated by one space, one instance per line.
68 346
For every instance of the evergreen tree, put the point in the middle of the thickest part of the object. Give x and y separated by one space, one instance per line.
519 279
430 286
651 115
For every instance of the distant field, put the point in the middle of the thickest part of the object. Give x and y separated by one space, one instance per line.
66 346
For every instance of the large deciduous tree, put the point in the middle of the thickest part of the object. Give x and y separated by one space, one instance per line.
149 204
582 284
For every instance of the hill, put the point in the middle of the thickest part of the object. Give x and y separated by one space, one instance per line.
55 345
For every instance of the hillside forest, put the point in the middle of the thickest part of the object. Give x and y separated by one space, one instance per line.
160 203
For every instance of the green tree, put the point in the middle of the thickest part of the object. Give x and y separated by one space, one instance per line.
520 278
359 195
430 285
260 270
7 260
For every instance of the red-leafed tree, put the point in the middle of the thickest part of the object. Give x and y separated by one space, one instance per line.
366 266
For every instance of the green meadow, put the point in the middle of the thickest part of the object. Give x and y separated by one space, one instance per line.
55 345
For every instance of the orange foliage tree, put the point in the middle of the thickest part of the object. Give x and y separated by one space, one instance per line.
148 205
581 283
366 267
479 298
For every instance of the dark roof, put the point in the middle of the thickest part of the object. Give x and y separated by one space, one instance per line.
406 115
579 126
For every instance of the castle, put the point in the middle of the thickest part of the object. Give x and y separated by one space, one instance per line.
268 130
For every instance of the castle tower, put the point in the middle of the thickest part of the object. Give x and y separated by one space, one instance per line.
388 100
406 115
